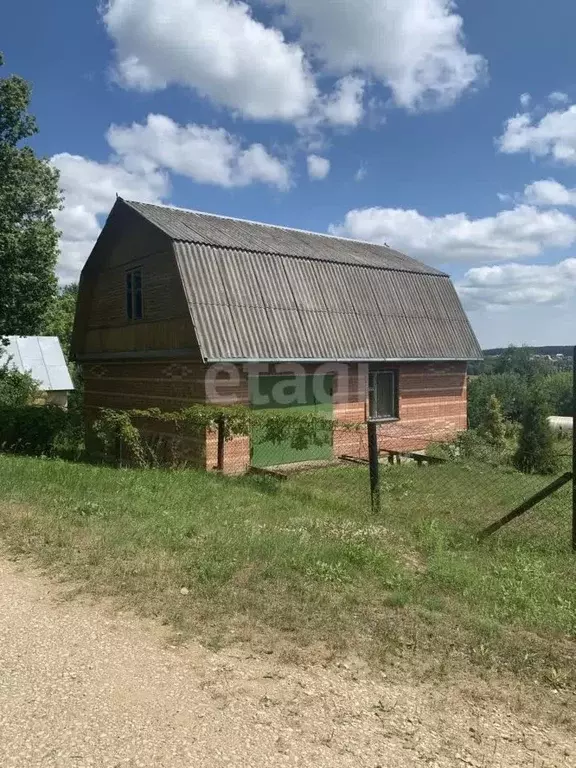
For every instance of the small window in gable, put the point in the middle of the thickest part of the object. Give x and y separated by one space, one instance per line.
383 395
134 304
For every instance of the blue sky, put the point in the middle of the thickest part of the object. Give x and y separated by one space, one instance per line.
446 130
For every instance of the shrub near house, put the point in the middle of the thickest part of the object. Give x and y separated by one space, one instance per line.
27 427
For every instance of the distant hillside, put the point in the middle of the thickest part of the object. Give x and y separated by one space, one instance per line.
536 350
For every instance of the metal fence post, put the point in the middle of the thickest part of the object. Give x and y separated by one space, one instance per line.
374 465
574 449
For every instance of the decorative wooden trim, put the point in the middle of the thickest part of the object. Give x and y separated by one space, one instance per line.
152 354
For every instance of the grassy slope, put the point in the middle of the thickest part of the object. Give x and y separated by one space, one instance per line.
305 561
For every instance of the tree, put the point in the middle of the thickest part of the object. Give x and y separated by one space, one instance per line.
60 316
559 393
521 360
536 445
493 428
511 389
29 196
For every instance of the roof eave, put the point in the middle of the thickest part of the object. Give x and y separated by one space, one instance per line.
359 360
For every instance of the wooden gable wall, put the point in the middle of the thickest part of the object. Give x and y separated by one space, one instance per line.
102 328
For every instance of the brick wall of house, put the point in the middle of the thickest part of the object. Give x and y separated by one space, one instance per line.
432 408
169 385
432 403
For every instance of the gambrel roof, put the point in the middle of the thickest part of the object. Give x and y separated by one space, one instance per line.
258 292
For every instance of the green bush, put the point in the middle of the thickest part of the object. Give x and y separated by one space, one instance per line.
558 390
471 445
34 430
511 390
16 389
536 453
493 427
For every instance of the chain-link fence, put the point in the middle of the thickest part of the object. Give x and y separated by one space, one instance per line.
465 481
463 496
423 473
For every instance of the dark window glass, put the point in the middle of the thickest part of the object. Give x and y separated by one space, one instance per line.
137 294
383 396
129 296
134 303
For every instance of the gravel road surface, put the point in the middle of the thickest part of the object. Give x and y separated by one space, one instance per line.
82 686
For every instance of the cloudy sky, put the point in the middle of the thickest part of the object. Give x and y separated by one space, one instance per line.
447 130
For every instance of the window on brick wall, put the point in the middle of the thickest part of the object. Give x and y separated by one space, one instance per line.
383 394
134 305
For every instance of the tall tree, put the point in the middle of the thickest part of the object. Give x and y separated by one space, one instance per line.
60 316
28 197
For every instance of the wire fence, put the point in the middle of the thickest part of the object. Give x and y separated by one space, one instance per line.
465 495
469 486
428 468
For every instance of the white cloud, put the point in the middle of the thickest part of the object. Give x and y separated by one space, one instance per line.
554 135
361 173
143 154
549 192
345 106
206 155
525 100
521 232
318 167
518 285
557 97
215 47
90 189
415 47
218 48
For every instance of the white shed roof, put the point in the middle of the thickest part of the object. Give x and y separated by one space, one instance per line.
42 358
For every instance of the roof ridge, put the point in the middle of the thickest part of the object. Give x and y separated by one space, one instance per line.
265 224
243 249
372 251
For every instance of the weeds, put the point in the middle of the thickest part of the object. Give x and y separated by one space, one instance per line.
306 559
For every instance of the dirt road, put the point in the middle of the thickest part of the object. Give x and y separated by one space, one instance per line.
80 686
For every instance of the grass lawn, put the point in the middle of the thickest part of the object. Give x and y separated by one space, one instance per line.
304 564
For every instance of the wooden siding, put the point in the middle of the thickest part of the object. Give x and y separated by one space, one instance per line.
166 323
102 326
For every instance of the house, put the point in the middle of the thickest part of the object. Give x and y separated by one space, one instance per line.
177 307
43 359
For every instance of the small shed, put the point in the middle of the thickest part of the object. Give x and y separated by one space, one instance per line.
43 359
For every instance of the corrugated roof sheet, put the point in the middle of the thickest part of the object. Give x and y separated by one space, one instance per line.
260 307
42 357
196 227
263 293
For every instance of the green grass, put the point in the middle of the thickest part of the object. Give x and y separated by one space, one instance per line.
304 563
